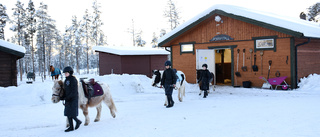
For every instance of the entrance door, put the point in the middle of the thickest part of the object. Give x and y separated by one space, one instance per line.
206 56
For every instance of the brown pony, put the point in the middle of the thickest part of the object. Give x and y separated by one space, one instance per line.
57 90
55 72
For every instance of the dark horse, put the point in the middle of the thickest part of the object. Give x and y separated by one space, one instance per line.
55 72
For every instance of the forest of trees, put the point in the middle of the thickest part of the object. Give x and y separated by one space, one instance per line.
45 45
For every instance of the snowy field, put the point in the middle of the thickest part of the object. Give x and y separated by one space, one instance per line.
27 111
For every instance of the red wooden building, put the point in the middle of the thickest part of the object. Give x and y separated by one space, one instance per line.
9 54
130 60
215 36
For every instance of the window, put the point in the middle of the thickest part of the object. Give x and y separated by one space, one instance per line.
186 48
265 43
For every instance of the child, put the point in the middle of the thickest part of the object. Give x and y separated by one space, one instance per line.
168 80
205 77
71 98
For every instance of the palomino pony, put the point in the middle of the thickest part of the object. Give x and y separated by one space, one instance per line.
180 84
55 72
58 91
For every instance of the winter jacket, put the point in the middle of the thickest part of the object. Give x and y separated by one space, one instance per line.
71 96
205 77
168 79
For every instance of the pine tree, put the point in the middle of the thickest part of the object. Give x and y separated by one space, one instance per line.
18 26
154 41
139 40
162 32
31 23
3 20
172 14
312 13
86 33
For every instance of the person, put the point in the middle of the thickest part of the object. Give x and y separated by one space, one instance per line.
205 77
168 81
71 98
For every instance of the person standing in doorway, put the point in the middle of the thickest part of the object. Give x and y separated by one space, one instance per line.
204 79
168 81
71 99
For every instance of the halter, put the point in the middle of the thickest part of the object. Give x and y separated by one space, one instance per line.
60 93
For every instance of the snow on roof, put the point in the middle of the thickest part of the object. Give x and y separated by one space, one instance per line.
12 46
131 50
307 28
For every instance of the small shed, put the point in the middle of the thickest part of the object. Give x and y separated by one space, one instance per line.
216 35
130 60
9 54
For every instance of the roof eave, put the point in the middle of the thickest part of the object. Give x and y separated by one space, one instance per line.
13 52
241 18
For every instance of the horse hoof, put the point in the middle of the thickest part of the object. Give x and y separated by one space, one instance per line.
86 124
96 120
180 100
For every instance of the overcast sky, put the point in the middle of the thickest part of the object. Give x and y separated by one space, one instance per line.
148 16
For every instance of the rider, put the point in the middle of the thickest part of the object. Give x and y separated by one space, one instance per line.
71 98
169 80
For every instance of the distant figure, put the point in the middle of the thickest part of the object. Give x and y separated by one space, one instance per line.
204 80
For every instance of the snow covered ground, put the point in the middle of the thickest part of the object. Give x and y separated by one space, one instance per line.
27 111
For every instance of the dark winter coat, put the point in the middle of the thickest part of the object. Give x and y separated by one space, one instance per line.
204 80
71 96
168 79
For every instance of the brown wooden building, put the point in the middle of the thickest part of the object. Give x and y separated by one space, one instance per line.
9 54
293 45
130 60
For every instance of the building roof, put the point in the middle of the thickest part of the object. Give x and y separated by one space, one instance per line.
12 48
292 26
131 50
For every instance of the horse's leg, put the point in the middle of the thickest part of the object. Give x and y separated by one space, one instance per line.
85 111
99 107
109 101
166 102
67 123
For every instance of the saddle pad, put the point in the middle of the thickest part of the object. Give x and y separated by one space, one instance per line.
98 91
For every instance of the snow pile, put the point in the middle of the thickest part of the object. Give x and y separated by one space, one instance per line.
310 83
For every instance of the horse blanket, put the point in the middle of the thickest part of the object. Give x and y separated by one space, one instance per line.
56 72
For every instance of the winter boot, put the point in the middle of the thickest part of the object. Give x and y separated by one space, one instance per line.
205 94
78 122
71 125
169 102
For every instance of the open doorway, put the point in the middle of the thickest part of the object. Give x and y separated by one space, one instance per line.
223 66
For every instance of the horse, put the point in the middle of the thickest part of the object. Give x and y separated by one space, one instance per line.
55 72
180 84
199 71
84 103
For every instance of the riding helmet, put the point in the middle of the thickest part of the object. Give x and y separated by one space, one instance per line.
68 69
167 63
205 65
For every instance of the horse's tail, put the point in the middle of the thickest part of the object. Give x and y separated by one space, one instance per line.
113 105
182 79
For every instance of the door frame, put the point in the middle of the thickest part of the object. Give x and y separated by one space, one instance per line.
232 57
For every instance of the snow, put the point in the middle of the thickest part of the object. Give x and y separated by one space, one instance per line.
12 46
27 110
307 28
131 50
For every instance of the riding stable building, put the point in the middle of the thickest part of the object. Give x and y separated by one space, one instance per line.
9 54
130 60
232 39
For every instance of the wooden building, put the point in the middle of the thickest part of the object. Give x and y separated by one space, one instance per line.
130 60
215 36
9 54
